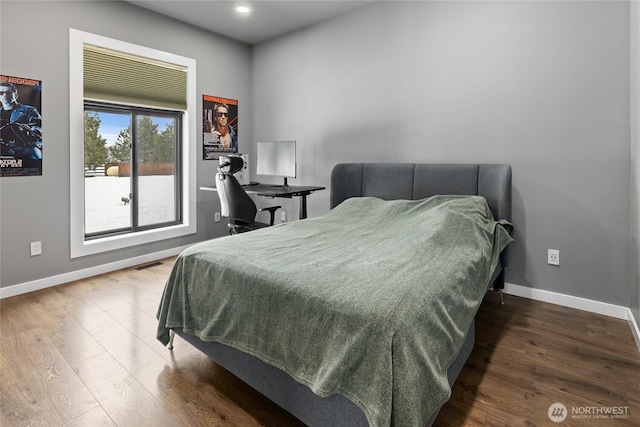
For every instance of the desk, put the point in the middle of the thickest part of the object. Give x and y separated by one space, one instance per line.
273 191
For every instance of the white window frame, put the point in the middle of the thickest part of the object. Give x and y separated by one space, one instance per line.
79 245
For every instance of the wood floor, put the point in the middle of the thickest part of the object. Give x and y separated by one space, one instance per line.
85 354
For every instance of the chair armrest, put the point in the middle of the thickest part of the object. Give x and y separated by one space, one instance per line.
272 211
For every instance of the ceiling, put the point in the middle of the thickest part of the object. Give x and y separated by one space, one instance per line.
266 20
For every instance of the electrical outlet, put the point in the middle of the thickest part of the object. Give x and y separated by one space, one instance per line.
283 216
553 257
36 248
216 217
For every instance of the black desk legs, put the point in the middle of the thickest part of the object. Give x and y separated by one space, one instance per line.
303 206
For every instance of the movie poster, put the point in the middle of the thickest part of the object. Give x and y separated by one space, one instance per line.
20 126
219 126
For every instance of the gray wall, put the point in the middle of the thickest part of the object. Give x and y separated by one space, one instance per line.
35 44
543 86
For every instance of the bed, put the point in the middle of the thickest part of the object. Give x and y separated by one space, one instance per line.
363 316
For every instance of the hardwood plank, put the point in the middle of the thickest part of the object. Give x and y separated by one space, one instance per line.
147 366
139 323
75 343
461 412
96 417
8 375
48 389
21 406
215 409
122 397
612 371
13 315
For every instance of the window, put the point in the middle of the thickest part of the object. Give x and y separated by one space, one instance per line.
132 169
132 144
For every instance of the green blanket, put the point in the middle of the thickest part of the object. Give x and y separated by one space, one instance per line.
372 300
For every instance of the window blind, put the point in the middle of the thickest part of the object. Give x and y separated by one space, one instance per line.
128 79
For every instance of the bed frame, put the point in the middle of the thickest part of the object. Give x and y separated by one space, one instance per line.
386 181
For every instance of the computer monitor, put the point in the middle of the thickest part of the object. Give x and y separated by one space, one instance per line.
276 158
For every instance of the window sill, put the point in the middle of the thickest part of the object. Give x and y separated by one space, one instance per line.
81 247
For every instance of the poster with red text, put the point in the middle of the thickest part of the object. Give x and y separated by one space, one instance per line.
20 126
219 126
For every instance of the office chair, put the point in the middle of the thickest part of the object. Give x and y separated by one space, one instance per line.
235 203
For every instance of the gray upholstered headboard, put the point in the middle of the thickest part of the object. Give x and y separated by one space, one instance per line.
413 181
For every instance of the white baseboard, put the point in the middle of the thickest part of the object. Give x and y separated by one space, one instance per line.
606 309
635 330
47 282
611 310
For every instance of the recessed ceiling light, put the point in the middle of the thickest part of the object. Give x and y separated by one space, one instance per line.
243 9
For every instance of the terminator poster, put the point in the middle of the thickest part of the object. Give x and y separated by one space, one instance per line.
219 126
20 126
